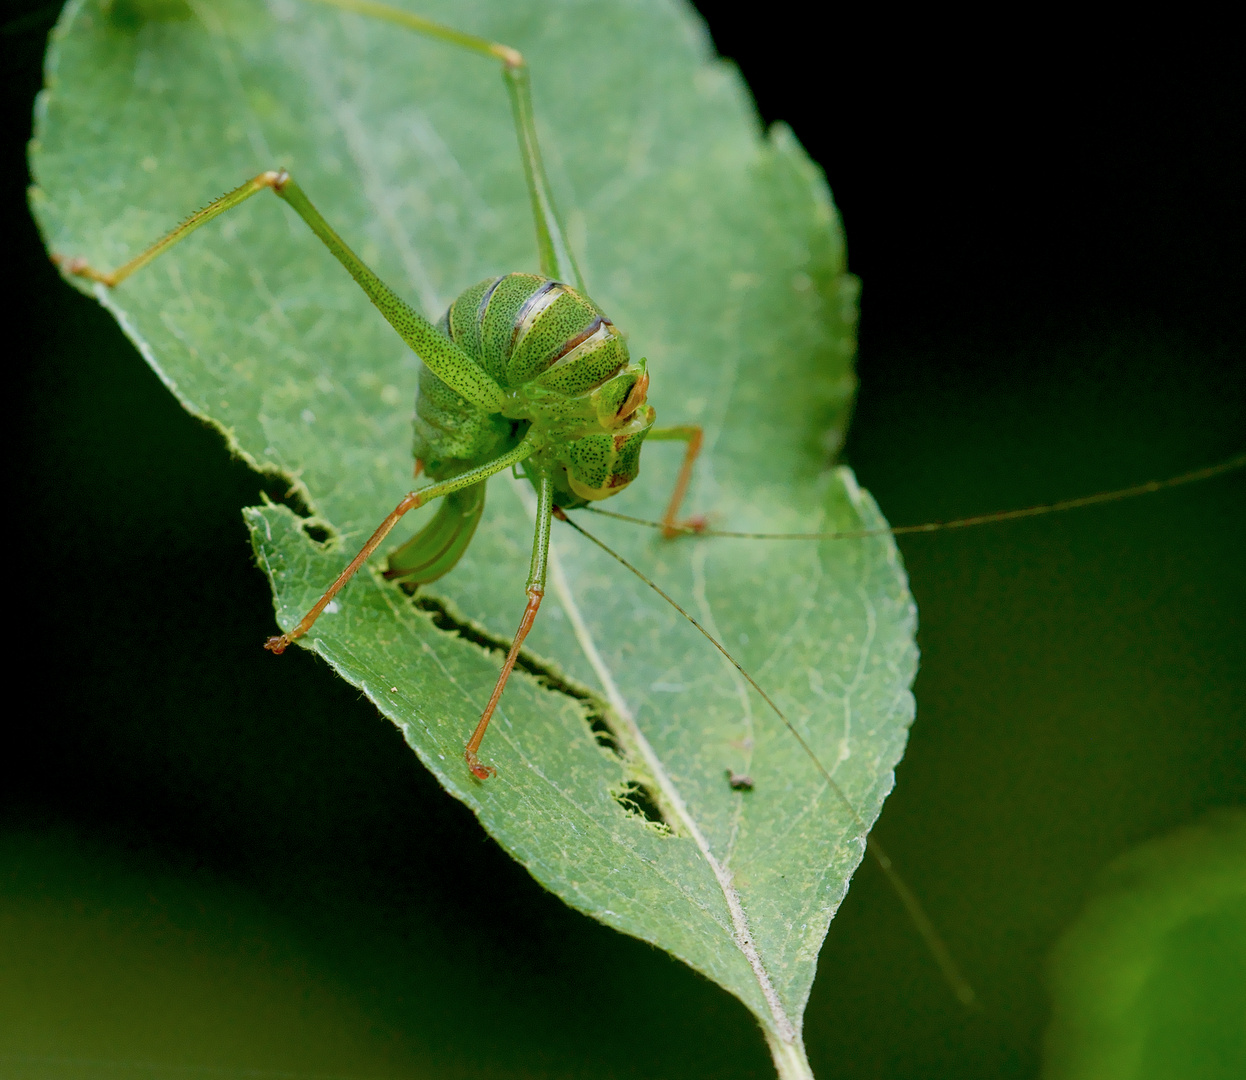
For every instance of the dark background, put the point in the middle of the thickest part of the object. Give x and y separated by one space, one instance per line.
1051 235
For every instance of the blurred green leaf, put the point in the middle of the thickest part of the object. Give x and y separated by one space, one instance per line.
1150 982
720 254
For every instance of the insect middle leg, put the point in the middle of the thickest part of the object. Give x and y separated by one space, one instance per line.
693 436
411 501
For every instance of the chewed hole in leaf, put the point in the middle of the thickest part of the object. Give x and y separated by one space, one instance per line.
278 489
604 733
634 796
637 799
316 532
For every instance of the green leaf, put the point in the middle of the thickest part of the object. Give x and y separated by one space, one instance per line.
1150 982
718 251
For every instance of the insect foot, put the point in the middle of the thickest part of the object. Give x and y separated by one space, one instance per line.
693 526
479 771
277 643
79 267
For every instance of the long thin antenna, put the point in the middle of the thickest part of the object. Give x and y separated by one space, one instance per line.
1119 494
942 955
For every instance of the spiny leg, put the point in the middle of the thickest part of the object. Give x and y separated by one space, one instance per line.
693 436
411 501
555 254
79 267
535 590
441 355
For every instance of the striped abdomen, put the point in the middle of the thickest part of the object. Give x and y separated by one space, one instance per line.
524 328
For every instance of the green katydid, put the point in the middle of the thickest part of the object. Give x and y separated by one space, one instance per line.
555 269
750 971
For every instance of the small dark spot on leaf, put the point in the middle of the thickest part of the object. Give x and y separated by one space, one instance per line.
739 781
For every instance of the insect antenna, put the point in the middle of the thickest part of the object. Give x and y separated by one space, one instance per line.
959 985
1116 495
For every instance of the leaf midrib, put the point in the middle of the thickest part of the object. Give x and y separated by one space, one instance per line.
742 936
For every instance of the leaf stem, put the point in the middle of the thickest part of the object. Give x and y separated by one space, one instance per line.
790 1061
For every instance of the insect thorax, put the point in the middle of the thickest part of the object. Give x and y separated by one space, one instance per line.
567 375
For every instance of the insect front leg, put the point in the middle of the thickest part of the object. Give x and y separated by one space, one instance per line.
536 591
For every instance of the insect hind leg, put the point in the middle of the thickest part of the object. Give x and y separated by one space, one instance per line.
271 180
440 355
552 248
